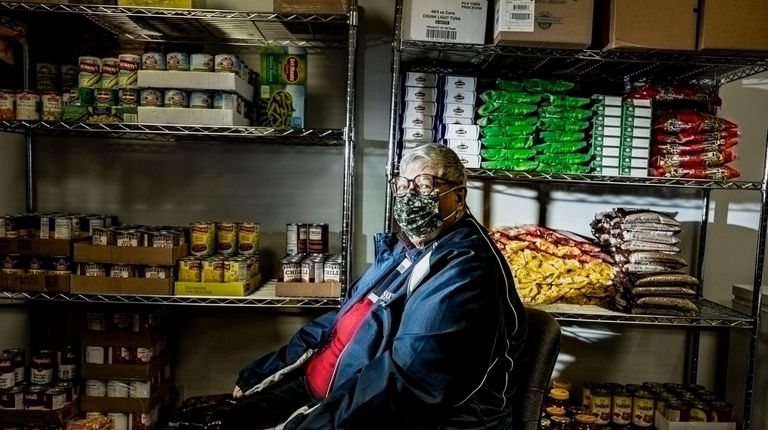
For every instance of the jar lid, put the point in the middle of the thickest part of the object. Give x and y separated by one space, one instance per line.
559 394
587 419
555 411
562 383
644 395
561 420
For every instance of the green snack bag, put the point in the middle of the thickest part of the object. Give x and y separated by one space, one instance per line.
556 112
507 130
515 165
564 159
561 136
509 142
542 85
507 85
567 102
560 147
562 168
558 124
497 96
507 154
506 109
508 120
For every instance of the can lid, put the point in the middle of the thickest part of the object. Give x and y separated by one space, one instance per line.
587 419
562 383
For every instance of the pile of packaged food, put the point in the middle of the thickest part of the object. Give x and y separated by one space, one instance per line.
555 266
650 274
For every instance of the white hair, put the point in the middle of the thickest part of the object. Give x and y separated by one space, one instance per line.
439 158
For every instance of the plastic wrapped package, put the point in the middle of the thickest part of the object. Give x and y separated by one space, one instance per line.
509 142
694 161
513 121
507 130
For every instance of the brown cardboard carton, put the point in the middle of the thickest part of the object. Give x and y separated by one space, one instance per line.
140 372
143 339
34 283
649 24
729 25
564 24
307 289
310 6
49 247
56 417
87 253
134 286
125 404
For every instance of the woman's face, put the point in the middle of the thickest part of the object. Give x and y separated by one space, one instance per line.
450 201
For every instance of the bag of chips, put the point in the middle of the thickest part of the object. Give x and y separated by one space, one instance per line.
498 97
694 161
503 109
543 85
566 102
563 168
564 159
560 147
562 136
722 173
695 137
560 113
679 121
695 148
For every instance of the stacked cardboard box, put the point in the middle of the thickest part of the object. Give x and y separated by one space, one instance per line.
621 136
419 108
457 103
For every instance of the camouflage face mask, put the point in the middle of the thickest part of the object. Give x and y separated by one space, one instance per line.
419 215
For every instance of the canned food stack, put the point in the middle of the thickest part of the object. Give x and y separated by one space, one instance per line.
49 384
203 89
419 108
124 366
52 225
555 266
307 257
650 273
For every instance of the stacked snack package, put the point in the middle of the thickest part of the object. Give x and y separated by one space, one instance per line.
688 140
456 108
621 136
555 266
419 108
533 125
644 245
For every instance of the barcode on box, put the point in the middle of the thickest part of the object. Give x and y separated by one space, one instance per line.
441 34
520 16
521 7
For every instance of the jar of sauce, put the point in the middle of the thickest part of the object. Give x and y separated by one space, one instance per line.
643 409
677 412
601 406
560 423
584 422
721 412
557 397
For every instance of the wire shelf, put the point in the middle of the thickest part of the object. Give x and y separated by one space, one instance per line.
504 176
591 65
264 297
323 137
712 315
206 26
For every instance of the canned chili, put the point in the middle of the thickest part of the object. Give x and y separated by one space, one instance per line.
317 242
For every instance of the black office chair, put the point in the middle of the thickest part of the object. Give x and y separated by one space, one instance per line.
534 371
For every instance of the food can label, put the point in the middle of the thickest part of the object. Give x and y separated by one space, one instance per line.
248 238
95 388
46 74
176 99
39 376
110 70
235 271
144 354
89 72
226 63
62 228
51 104
128 75
7 106
190 270
222 100
56 401
200 100
201 63
69 77
697 415
127 239
7 379
201 238
155 272
27 106
95 269
307 270
177 61
151 97
213 271
291 272
153 61
622 410
642 412
226 238
601 409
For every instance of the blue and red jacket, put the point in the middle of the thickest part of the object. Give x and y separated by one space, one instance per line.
436 352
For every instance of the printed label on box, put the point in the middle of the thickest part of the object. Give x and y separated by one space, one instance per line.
515 15
418 135
463 146
600 140
456 21
601 130
608 110
636 121
420 108
454 131
636 142
424 80
608 100
610 121
470 161
419 121
467 83
420 94
637 132
458 110
283 90
459 96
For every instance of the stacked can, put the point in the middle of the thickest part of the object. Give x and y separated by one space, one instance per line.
221 252
307 258
51 383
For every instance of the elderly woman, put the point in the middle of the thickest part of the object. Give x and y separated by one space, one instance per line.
427 338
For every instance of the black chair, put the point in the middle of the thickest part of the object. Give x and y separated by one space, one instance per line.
535 370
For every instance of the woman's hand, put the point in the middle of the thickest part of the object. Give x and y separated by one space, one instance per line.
237 392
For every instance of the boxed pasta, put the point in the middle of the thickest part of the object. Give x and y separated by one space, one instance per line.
282 98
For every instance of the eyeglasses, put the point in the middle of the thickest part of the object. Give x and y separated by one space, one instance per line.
423 184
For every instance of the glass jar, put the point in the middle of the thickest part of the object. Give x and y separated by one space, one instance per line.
677 412
545 424
662 400
584 422
573 411
721 412
557 397
601 406
621 407
562 383
643 409
698 412
560 423
586 389
554 411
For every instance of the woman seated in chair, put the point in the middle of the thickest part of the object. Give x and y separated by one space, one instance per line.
427 338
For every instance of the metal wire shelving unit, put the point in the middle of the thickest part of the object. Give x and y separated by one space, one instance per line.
597 69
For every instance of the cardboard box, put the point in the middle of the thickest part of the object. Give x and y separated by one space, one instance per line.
453 82
454 131
199 81
470 161
192 116
663 424
648 24
728 25
457 110
55 417
26 282
563 24
420 94
44 247
453 21
426 122
423 80
464 147
86 253
599 140
307 289
601 130
420 108
283 91
456 120
310 6
606 100
607 110
607 121
140 372
418 135
461 96
131 286
236 289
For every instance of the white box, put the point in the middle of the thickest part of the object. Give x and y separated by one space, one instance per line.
608 110
600 130
608 100
191 116
420 108
603 141
637 132
420 94
607 161
456 120
470 161
203 81
464 146
454 21
635 163
457 131
611 151
663 424
609 121
457 110
637 121
419 121
453 82
607 171
640 102
636 142
418 135
458 96
423 80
